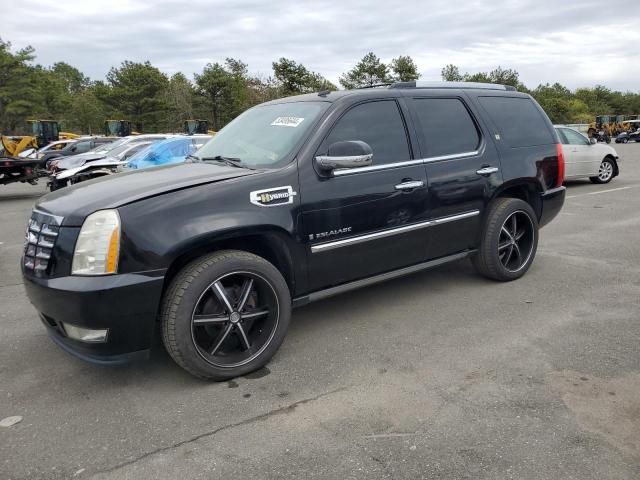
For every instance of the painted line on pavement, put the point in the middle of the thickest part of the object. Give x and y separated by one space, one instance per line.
602 191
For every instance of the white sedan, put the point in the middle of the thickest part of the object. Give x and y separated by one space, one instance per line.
584 158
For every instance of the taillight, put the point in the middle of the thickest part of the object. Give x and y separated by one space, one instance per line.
7 163
560 155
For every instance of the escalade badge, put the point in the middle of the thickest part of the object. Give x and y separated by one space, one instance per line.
272 197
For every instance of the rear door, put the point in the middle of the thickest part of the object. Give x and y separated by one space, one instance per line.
583 158
363 221
462 167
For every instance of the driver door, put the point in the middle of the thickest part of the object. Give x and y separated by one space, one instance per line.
363 221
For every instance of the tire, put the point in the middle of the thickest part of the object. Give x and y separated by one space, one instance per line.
236 336
625 140
605 172
496 244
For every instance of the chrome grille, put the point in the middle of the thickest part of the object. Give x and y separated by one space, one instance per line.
42 231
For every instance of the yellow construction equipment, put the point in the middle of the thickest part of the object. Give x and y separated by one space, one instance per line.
42 133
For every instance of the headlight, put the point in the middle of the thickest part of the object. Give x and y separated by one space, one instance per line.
98 245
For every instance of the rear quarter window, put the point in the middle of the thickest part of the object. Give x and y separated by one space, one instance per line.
519 122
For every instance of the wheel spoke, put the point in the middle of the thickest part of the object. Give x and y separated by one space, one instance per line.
516 248
507 232
508 257
514 225
502 246
244 295
220 339
219 291
207 319
253 315
519 235
243 336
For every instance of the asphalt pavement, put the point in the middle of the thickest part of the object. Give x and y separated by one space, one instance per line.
442 374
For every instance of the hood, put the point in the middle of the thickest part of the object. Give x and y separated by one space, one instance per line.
76 202
74 161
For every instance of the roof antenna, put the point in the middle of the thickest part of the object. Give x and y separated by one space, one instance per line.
324 93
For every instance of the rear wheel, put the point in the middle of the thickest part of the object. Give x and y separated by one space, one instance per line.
605 172
225 314
509 240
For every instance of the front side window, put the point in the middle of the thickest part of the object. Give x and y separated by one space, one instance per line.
446 126
377 123
264 136
573 137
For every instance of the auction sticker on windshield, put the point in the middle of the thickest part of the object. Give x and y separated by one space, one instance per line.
287 121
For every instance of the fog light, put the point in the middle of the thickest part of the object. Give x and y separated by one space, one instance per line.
85 334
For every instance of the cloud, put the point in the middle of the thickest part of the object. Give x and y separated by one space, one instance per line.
577 43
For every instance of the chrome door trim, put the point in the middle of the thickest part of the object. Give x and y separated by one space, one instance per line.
323 247
387 166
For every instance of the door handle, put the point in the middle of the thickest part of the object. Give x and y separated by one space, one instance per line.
410 185
485 171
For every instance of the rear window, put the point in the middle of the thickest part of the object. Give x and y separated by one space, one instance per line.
518 120
446 125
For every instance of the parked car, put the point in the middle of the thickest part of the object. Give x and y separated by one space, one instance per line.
626 137
585 158
72 170
295 200
53 146
172 150
80 146
116 148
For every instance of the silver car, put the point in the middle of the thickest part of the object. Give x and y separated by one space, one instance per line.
584 158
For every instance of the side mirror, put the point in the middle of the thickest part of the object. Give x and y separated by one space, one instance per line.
349 154
593 140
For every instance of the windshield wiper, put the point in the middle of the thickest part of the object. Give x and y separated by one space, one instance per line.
231 161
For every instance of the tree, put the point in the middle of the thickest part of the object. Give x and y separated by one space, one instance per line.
451 73
294 78
225 88
17 88
505 77
137 89
179 100
404 69
75 81
368 72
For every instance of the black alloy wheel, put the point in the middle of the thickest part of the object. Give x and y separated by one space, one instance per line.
234 319
225 314
516 241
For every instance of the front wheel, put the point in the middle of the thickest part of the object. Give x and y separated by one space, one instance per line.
509 240
225 314
605 172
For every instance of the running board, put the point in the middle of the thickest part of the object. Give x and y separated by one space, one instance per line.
330 292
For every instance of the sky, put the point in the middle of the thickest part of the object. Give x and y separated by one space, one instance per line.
576 43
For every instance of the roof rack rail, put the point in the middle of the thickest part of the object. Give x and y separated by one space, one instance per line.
376 85
464 85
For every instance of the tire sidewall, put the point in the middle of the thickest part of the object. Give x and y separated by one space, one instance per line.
200 275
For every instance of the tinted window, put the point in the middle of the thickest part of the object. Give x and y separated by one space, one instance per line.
446 125
377 123
518 120
573 137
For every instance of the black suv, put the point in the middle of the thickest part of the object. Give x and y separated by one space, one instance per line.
295 200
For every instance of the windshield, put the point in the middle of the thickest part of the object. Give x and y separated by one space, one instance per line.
264 136
107 147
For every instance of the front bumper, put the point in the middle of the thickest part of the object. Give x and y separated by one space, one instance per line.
126 305
552 201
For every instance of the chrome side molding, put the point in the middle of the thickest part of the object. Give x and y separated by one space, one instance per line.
323 247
